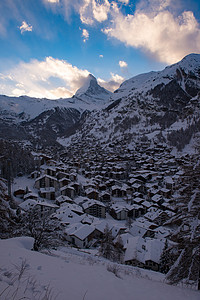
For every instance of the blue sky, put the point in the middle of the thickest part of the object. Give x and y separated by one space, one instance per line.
48 47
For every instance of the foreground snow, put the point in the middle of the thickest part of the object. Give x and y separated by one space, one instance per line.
68 274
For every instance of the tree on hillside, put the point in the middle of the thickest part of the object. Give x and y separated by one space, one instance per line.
119 251
107 248
7 214
45 231
167 258
110 249
187 266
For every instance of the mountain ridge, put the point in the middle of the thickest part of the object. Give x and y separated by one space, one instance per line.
154 107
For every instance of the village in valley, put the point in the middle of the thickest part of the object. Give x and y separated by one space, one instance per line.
131 193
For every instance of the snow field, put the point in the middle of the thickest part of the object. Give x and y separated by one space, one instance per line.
70 274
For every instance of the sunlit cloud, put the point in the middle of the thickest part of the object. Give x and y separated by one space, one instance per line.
25 27
156 30
113 83
85 35
92 10
124 1
123 64
101 55
51 78
52 1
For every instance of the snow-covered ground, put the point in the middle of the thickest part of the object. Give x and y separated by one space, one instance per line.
70 274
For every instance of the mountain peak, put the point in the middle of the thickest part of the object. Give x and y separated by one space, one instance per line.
91 89
180 72
89 81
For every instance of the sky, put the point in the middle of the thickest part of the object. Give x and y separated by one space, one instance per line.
48 47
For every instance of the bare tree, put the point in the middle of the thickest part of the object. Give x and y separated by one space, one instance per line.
45 231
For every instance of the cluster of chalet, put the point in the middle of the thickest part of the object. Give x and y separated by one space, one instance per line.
134 196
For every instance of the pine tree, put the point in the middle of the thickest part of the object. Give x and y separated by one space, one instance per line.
167 258
7 214
119 252
187 266
107 248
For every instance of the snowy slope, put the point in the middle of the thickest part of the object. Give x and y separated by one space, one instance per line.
145 82
92 90
42 121
156 107
71 275
89 97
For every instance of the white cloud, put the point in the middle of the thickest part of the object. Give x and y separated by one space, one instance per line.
85 34
123 64
53 1
113 83
92 10
101 55
157 31
25 27
124 1
51 78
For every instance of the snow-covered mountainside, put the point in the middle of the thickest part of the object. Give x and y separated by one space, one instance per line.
185 74
152 108
157 107
90 96
72 274
92 90
43 120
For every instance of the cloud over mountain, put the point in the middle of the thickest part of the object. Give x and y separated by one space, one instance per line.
51 78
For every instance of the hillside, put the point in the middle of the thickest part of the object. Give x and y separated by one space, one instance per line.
68 274
41 121
157 107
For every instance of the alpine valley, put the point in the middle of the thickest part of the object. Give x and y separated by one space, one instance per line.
105 188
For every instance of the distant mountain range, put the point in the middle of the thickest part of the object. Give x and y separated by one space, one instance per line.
41 121
156 107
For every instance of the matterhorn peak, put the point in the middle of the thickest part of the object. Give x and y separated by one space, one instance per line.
92 90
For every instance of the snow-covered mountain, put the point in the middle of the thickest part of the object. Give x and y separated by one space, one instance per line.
184 73
32 118
90 96
156 107
92 90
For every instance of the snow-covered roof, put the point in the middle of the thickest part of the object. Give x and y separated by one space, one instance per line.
156 198
45 175
115 187
92 202
47 190
29 195
82 231
118 208
90 190
138 200
74 207
152 215
47 204
144 249
27 204
67 216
